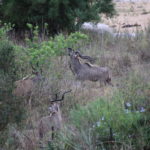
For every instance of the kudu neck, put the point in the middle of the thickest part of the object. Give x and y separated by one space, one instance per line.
76 64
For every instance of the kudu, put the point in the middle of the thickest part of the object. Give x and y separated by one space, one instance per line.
25 86
86 71
52 122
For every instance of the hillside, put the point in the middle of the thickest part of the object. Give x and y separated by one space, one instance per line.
86 115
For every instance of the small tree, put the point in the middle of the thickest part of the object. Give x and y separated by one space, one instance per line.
59 14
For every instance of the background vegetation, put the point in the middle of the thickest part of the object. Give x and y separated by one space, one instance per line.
94 117
60 15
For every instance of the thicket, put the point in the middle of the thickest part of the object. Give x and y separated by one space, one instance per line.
11 108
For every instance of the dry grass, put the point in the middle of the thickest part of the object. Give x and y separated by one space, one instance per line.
130 13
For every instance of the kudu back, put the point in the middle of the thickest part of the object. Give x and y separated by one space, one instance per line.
86 71
24 86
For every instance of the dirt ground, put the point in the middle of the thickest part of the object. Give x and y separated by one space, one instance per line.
131 16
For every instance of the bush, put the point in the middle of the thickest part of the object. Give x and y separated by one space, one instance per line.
7 52
41 53
7 58
107 121
11 108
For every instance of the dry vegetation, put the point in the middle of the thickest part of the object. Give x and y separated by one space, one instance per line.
130 13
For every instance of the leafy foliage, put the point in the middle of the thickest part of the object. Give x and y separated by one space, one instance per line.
4 29
42 52
106 120
7 53
7 61
10 107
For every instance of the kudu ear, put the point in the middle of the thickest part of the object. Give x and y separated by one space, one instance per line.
88 58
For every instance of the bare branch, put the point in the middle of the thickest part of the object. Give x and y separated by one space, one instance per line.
62 98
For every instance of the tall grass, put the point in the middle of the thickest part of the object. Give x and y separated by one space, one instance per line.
116 122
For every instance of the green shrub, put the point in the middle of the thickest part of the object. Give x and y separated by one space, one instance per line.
101 116
11 108
7 52
41 53
7 58
4 30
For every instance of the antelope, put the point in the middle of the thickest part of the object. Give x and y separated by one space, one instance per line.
45 129
24 87
52 122
86 71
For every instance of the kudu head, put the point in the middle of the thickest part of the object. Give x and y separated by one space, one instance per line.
54 108
73 54
52 122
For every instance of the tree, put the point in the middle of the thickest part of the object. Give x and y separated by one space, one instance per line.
59 14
